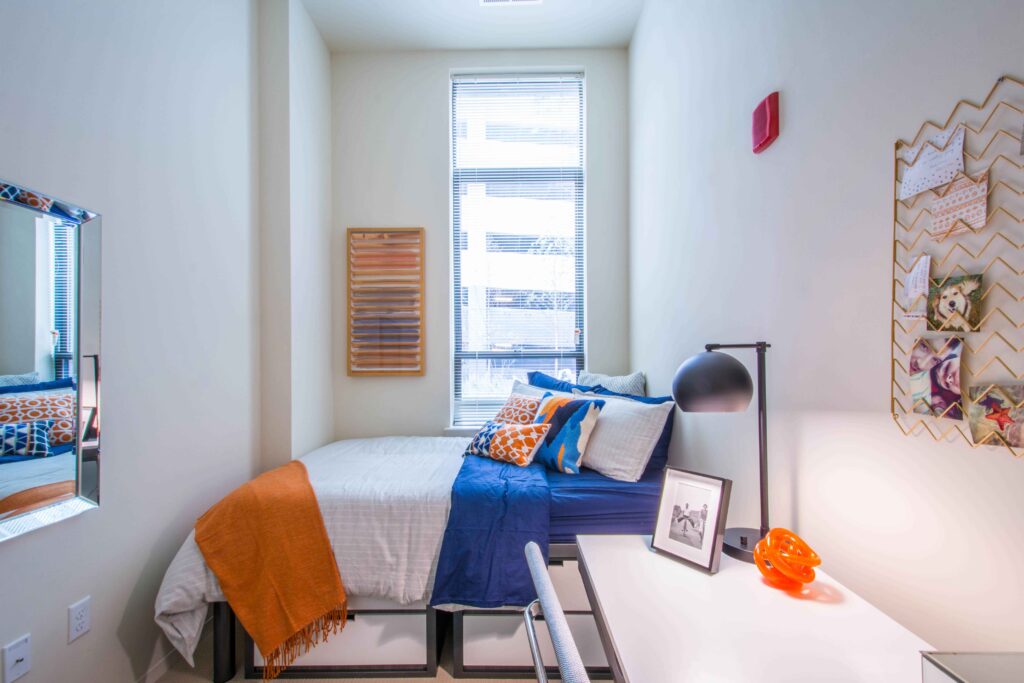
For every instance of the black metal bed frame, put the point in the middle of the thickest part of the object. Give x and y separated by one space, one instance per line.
225 664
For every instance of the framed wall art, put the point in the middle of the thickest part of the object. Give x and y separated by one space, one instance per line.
385 301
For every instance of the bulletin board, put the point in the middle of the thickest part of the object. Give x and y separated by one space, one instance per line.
967 223
385 301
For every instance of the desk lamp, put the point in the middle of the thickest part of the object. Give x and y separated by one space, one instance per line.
713 382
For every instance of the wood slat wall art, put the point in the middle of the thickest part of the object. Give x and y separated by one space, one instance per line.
385 301
993 350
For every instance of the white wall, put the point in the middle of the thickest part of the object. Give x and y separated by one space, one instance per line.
275 234
794 246
18 275
297 408
144 113
309 68
392 169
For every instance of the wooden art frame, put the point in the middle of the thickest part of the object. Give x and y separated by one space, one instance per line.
385 304
993 348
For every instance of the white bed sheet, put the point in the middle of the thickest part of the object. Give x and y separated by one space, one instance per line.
19 476
384 503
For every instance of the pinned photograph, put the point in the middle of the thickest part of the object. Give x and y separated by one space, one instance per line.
954 304
996 415
935 377
691 517
961 207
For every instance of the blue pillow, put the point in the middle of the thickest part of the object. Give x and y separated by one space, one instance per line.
67 383
539 379
659 456
61 449
26 438
571 422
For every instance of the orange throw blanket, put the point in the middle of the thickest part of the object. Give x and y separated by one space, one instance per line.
267 545
37 497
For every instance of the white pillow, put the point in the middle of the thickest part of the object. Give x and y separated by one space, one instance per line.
635 384
530 390
625 436
19 380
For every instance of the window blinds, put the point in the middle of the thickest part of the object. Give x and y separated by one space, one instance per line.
518 226
64 251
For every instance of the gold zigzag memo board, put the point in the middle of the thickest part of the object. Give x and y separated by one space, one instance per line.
991 355
385 301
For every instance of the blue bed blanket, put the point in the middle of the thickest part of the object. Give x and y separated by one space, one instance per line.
497 508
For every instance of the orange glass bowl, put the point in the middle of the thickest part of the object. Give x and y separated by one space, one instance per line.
785 560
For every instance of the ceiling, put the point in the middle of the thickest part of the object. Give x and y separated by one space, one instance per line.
354 25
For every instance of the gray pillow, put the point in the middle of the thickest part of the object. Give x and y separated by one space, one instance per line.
635 384
19 380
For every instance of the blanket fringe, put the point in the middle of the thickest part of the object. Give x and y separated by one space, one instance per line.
304 640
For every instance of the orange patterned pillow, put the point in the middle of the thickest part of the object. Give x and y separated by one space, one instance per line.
59 407
516 444
519 409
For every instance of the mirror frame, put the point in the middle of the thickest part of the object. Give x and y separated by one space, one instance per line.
42 204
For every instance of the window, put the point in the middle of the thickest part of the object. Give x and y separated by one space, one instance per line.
63 241
517 235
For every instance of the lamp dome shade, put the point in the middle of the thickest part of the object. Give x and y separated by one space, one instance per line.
712 382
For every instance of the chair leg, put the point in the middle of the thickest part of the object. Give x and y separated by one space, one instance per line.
224 662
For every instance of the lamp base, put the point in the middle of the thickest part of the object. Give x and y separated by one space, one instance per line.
740 542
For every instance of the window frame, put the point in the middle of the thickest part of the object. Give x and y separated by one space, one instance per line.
574 174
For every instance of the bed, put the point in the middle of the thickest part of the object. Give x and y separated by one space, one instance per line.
385 504
591 503
30 483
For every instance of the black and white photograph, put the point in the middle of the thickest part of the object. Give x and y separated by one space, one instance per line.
691 517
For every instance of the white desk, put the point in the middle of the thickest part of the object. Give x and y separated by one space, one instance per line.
661 620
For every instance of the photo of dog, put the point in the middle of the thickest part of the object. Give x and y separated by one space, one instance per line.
996 415
954 305
935 377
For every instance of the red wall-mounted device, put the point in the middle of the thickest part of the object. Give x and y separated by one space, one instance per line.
766 123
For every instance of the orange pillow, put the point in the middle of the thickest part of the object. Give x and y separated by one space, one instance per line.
59 407
519 409
512 443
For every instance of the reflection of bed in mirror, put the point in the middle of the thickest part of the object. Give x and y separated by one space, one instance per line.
33 483
49 357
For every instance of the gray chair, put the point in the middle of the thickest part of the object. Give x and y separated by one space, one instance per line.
569 663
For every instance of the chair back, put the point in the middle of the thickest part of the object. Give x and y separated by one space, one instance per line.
569 662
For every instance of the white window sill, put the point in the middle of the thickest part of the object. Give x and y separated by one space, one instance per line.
460 431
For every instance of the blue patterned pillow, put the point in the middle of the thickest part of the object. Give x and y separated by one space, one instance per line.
481 443
26 438
571 420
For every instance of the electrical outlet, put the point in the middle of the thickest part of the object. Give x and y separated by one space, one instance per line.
78 619
17 658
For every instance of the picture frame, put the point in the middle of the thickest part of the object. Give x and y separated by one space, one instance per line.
691 518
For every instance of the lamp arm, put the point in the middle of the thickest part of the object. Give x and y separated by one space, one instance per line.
762 421
762 434
755 345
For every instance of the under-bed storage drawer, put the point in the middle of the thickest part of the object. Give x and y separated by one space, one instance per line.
568 583
498 639
378 642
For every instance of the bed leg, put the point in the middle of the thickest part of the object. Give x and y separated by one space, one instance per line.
224 663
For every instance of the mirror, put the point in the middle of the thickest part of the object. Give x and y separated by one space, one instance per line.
49 360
